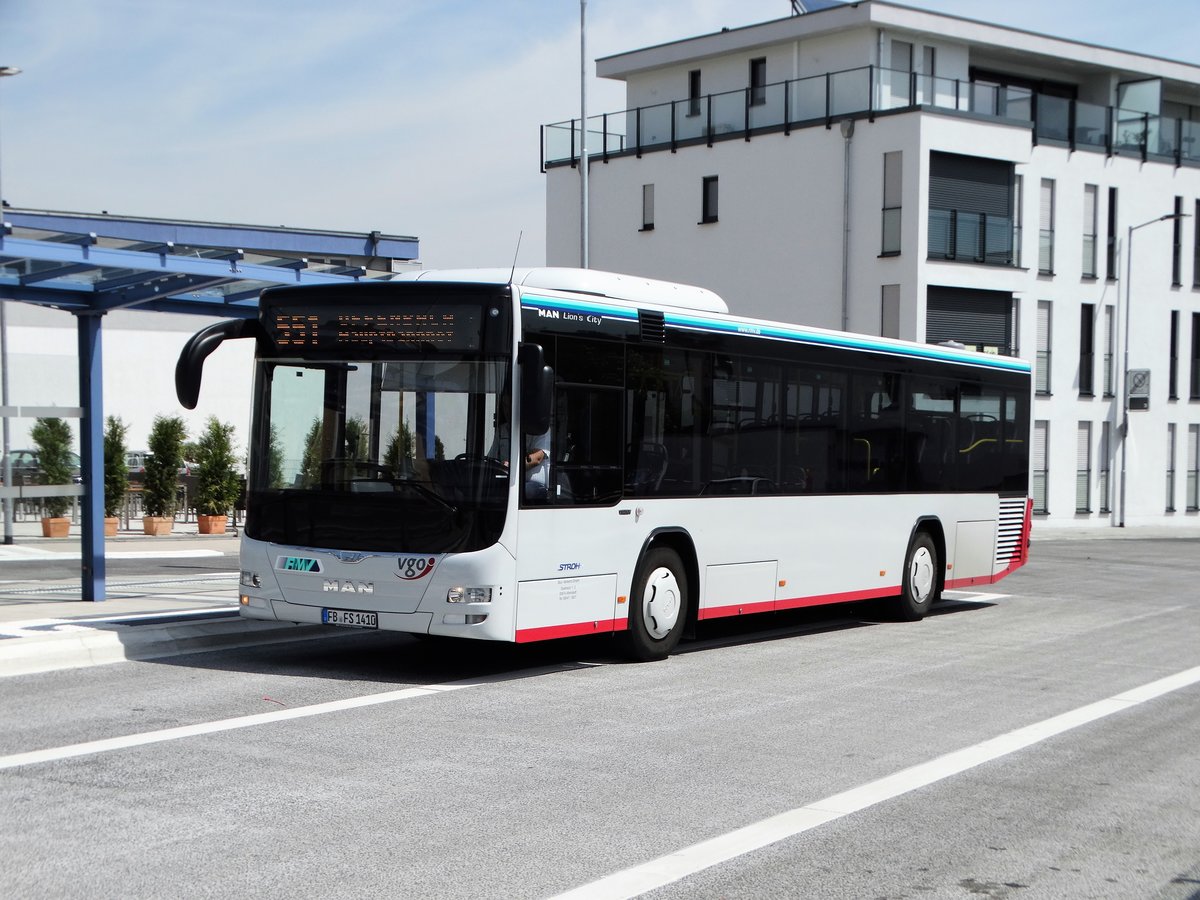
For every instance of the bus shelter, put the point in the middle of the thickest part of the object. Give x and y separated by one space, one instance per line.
89 265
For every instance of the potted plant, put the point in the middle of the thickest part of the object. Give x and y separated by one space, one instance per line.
116 472
52 437
160 490
217 483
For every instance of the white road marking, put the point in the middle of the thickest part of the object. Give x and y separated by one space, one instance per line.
184 731
675 866
282 715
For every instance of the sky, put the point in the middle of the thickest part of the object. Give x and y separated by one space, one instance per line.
408 117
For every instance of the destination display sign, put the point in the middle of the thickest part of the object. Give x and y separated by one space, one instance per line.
453 327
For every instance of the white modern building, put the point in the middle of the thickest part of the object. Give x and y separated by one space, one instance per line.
893 171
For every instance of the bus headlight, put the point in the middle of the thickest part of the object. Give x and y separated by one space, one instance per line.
251 579
469 595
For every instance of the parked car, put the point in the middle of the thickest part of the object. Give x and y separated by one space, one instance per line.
135 462
25 467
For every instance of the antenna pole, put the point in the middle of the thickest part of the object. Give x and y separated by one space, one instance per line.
583 129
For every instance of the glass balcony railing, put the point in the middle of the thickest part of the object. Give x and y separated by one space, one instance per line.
955 234
820 99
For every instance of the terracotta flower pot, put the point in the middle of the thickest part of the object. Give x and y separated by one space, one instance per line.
158 525
110 526
55 527
211 524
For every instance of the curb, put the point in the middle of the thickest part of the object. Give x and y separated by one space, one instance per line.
79 646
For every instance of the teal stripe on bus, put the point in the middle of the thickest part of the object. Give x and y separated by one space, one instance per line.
617 312
782 332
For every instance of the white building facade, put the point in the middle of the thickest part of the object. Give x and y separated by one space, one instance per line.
892 171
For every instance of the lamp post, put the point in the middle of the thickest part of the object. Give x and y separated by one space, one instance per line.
5 71
584 261
1124 429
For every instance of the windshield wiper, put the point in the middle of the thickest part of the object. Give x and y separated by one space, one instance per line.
425 492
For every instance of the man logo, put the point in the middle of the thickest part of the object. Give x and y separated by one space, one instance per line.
348 587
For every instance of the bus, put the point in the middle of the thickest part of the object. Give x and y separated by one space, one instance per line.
697 464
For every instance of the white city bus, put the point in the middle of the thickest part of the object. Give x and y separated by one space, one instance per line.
699 464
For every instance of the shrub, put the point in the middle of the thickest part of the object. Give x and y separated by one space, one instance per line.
167 435
52 437
217 483
116 471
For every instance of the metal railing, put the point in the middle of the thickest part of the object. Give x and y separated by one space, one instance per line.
820 99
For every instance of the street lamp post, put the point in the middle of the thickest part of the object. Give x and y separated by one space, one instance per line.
1124 429
5 71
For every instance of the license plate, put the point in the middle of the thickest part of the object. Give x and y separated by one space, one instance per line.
350 618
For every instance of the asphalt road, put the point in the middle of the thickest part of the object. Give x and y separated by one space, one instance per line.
368 765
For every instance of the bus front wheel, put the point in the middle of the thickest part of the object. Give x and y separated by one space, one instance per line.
919 587
657 606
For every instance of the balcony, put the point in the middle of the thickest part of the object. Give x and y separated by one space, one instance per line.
972 237
865 91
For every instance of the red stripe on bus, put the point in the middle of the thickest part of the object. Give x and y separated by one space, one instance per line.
574 629
717 612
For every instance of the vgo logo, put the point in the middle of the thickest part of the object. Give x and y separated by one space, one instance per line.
413 568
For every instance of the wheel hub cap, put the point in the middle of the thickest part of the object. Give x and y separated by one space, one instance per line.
661 603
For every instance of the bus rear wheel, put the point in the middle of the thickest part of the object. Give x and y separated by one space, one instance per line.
919 588
657 606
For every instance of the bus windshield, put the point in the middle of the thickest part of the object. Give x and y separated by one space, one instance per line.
380 455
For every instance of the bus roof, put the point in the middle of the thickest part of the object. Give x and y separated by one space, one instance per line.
698 308
613 285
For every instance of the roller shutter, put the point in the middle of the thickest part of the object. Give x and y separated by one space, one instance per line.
979 319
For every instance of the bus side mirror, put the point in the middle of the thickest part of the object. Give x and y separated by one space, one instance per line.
191 359
537 389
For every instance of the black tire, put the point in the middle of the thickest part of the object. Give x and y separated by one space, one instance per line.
920 584
658 607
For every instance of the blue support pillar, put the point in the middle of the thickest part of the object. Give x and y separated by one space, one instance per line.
91 447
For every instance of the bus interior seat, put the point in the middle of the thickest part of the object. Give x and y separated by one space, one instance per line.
649 462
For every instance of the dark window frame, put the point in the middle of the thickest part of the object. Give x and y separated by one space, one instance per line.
1173 358
694 95
1177 245
710 193
1087 350
758 81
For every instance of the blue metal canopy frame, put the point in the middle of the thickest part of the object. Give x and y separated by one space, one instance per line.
89 265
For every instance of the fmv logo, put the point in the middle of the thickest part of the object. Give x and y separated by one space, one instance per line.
348 587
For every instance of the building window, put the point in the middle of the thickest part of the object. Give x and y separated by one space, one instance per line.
1173 359
1042 364
1087 348
758 81
709 200
1196 247
1083 468
889 315
1018 216
980 320
970 209
1089 230
1102 480
1171 467
647 207
928 85
1046 228
891 203
693 108
1110 340
1040 473
1177 245
1194 390
1110 239
1193 471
